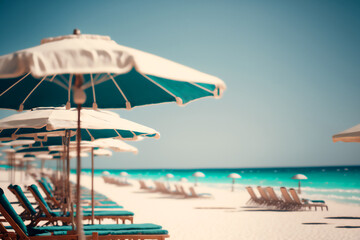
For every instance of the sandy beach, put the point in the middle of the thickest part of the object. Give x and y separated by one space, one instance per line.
225 216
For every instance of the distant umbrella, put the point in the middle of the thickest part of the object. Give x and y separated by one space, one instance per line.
349 135
168 176
299 177
183 179
124 175
198 175
105 173
233 176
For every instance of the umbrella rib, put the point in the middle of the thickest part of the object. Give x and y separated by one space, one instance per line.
177 99
15 84
205 89
128 105
91 136
22 104
118 134
93 89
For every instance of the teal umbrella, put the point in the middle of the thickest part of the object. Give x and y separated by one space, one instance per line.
100 72
93 71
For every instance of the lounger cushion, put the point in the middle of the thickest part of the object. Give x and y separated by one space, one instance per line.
6 204
99 227
98 213
47 189
105 206
120 232
36 191
26 201
107 202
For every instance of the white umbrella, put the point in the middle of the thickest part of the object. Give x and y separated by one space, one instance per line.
183 179
105 173
350 135
233 176
124 175
168 176
299 177
198 175
56 121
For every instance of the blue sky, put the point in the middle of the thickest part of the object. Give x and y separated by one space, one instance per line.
291 67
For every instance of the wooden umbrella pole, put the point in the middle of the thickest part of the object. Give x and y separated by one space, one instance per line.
92 188
78 175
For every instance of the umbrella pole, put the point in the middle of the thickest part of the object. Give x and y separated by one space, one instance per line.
233 182
92 187
78 177
299 191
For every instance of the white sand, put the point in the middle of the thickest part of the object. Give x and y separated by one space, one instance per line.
224 217
227 217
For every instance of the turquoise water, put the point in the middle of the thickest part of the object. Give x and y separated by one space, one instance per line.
341 183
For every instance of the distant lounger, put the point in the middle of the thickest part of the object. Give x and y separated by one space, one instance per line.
253 198
307 203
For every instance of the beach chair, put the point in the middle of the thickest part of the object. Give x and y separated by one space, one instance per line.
199 195
290 203
306 203
54 217
253 198
49 195
114 231
276 201
182 190
265 198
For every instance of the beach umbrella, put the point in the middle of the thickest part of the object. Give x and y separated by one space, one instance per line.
124 175
93 71
183 179
350 135
168 176
299 177
42 123
105 173
198 175
233 176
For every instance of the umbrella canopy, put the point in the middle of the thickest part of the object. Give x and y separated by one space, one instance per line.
349 135
105 173
124 174
169 175
299 177
17 143
102 152
43 76
54 121
183 179
234 175
198 174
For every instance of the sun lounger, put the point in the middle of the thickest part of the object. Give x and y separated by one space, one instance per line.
199 195
264 196
275 200
307 203
290 203
128 231
53 217
253 198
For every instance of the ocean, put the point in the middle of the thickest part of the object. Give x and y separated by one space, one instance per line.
340 183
